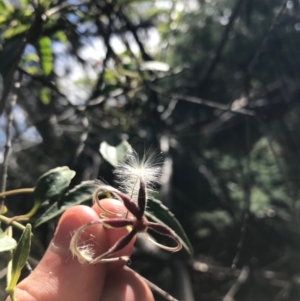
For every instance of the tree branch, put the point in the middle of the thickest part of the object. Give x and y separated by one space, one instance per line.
9 114
220 46
266 38
201 101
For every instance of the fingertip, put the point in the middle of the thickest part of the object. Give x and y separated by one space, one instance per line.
59 276
124 285
70 221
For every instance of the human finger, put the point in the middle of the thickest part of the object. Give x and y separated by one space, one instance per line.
125 285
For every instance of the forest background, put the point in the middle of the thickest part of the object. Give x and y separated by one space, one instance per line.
211 85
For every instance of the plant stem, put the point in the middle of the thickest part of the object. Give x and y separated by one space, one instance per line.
8 221
9 114
21 227
15 192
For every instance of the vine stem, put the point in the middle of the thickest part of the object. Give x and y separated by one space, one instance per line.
8 221
16 191
9 114
21 227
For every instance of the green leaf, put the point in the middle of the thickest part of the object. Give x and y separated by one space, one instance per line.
79 194
159 213
24 3
19 258
46 56
45 94
6 7
6 243
52 184
114 154
129 73
30 57
16 30
61 36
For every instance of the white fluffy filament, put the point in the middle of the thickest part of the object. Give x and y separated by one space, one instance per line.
129 173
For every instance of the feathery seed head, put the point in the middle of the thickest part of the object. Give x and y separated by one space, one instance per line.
134 168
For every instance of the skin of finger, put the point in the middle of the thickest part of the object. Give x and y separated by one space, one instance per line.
59 276
125 285
113 235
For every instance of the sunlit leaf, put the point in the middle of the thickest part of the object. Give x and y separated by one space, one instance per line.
159 213
45 94
19 258
32 70
114 154
6 7
78 195
61 36
13 31
3 19
24 3
129 73
46 56
52 184
30 57
6 243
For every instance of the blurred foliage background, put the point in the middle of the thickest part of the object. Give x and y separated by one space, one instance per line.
213 85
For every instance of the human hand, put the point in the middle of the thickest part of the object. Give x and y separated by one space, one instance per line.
60 277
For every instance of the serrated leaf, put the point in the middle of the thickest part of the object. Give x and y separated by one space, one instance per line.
45 53
52 184
155 66
19 258
114 154
78 195
159 213
6 243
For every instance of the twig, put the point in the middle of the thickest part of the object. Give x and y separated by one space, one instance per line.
201 101
31 35
266 38
220 46
45 82
16 191
64 5
156 289
237 284
133 29
247 189
9 114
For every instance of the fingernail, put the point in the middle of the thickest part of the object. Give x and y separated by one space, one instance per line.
63 234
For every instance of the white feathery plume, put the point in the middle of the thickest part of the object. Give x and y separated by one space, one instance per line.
134 168
85 253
